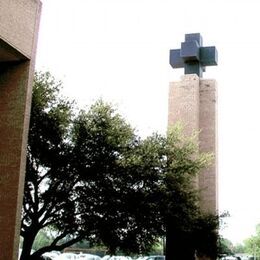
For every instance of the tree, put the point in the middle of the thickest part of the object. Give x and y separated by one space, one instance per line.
150 184
239 248
226 247
89 176
252 244
188 230
48 192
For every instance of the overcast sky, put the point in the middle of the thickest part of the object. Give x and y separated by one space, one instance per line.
119 50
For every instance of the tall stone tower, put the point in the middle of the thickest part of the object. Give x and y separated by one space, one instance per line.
19 21
193 102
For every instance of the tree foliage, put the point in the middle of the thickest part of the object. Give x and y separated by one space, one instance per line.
252 244
89 176
48 192
226 247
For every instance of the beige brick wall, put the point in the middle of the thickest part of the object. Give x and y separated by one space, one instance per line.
193 101
208 179
184 103
13 102
18 22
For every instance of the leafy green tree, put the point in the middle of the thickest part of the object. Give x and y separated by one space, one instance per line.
89 176
49 186
252 244
239 248
188 230
125 185
226 247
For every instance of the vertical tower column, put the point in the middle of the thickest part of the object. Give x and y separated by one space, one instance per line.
208 142
193 102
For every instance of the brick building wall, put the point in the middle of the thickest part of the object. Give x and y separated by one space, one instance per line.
19 21
193 102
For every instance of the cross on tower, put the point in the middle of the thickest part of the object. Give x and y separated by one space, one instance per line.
192 56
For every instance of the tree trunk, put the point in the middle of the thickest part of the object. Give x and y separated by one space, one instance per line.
27 245
178 245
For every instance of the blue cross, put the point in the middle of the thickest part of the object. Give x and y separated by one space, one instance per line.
192 56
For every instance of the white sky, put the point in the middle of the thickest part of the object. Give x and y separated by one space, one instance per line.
119 50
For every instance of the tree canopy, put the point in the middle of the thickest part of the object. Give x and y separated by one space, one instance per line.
252 244
90 176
